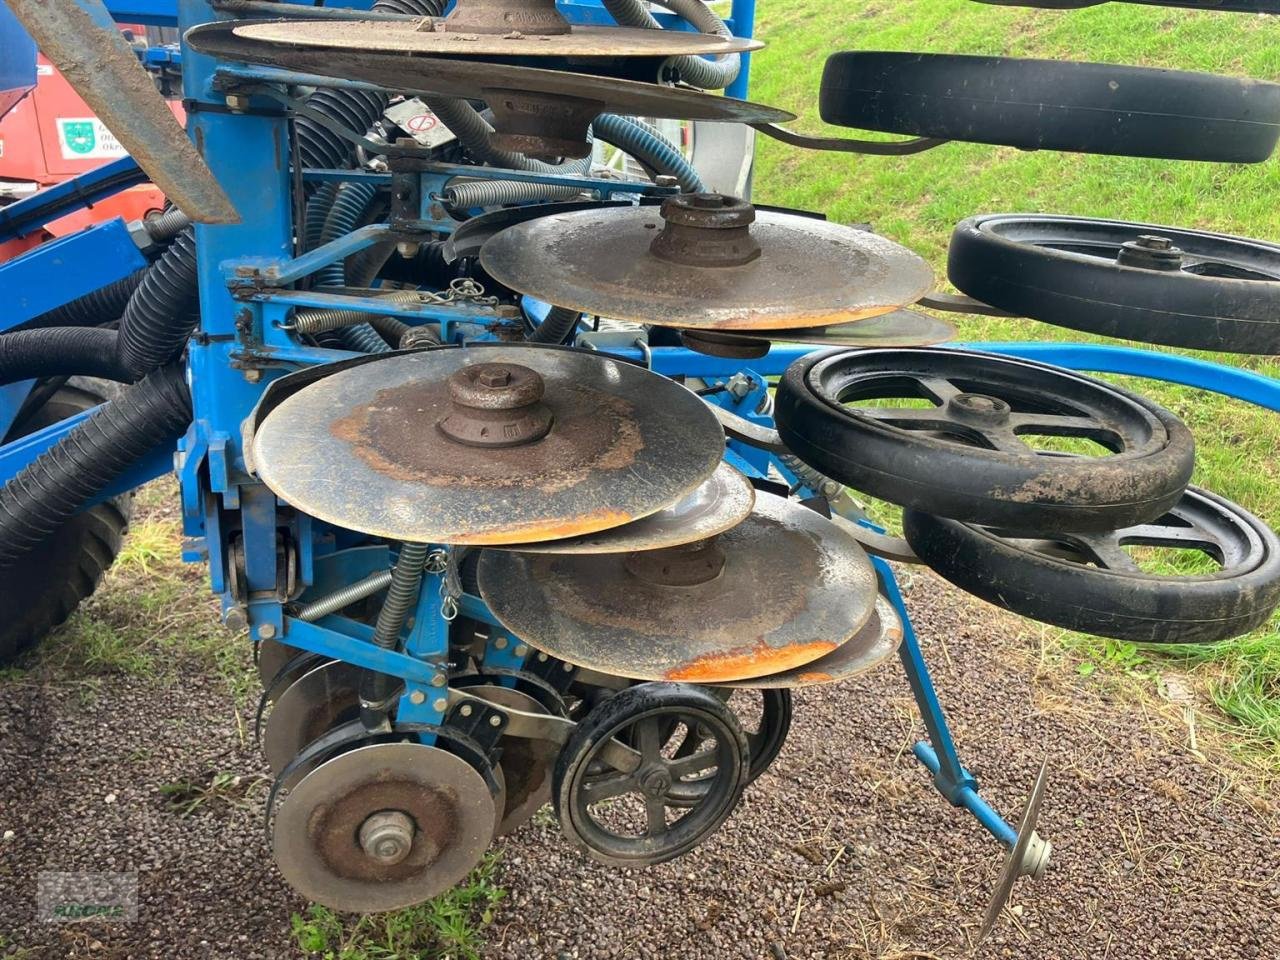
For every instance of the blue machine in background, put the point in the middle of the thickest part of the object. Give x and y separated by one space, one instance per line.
276 569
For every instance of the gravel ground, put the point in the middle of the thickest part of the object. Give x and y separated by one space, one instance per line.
843 850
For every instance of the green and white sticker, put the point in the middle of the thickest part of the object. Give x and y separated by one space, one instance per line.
87 138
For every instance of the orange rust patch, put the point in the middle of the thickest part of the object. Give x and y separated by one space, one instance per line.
761 660
815 678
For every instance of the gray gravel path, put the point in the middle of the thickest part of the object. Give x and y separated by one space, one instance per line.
842 851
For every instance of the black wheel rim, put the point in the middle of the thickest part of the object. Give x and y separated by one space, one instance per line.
631 816
765 739
986 402
1200 527
1193 252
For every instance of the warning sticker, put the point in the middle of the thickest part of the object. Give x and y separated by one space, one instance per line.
87 138
416 119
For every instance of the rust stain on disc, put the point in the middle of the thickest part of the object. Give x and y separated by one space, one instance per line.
792 587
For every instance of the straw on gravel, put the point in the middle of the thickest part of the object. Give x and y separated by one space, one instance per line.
843 850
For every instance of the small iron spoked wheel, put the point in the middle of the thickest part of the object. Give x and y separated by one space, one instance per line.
628 817
1138 281
966 450
383 826
1091 583
766 731
1054 105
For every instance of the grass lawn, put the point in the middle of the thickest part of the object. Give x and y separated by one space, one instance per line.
917 200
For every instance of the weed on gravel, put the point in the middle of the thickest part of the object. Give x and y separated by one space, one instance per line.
450 927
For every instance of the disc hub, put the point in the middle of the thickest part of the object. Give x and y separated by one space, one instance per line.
706 230
1150 252
687 565
538 18
387 836
979 408
496 405
655 781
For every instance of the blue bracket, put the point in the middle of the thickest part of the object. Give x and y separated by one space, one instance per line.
25 216
61 270
952 780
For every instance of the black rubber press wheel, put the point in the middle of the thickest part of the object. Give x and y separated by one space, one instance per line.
1092 584
1054 105
967 448
1184 288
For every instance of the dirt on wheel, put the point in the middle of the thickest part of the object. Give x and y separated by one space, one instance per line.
842 850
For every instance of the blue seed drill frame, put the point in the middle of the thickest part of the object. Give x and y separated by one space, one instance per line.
247 273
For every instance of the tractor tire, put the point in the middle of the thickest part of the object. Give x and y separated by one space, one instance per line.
43 588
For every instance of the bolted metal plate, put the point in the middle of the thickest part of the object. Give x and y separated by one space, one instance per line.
864 651
424 39
361 449
810 273
901 328
492 82
311 706
793 588
526 764
316 834
722 502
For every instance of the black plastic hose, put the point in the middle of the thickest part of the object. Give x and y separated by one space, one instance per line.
60 352
163 310
93 309
51 488
559 323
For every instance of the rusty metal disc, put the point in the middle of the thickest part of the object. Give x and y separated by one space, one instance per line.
321 699
378 448
901 328
535 110
786 587
724 500
422 39
808 273
525 765
334 844
864 651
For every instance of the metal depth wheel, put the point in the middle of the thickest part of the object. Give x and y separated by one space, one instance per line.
766 733
1091 583
320 700
963 451
624 817
1137 281
383 827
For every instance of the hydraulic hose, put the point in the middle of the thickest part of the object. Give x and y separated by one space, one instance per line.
93 309
707 74
650 147
60 352
51 488
163 310
559 323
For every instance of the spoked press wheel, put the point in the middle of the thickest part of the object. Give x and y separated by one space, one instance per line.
1054 105
765 716
953 433
43 588
627 810
1185 288
1224 579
